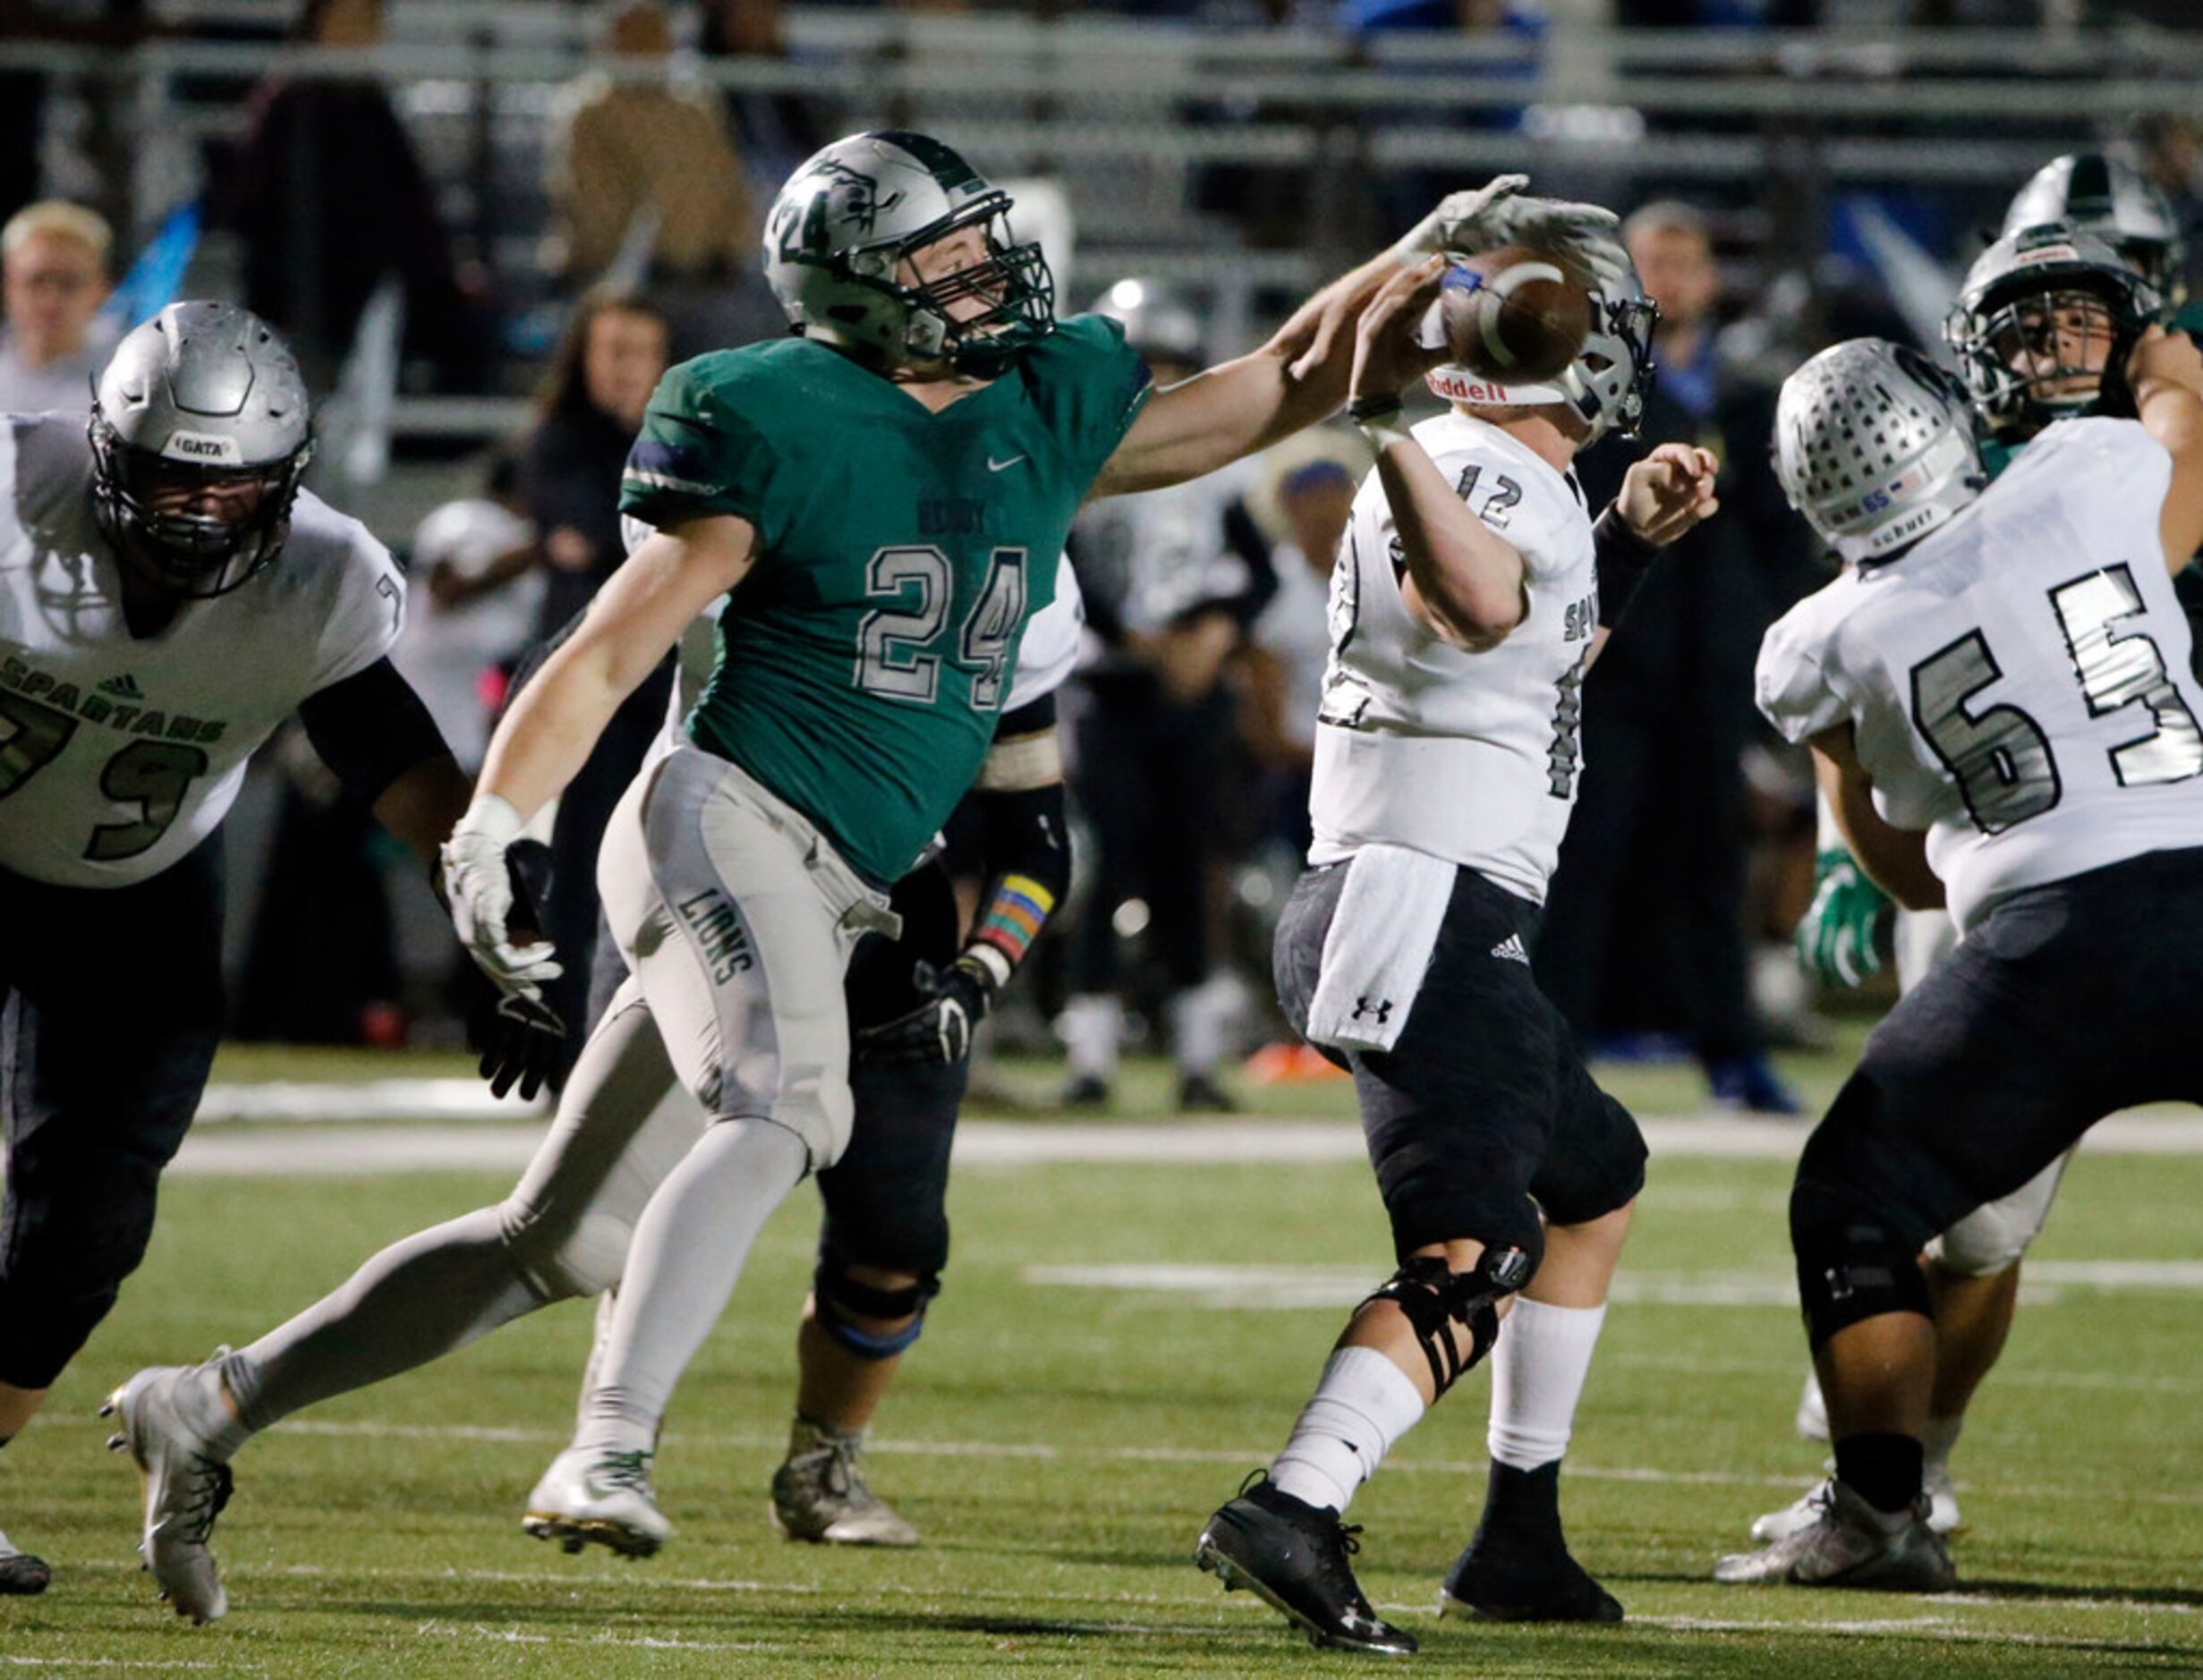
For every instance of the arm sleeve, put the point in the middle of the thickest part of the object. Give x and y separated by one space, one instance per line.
1623 559
697 456
370 729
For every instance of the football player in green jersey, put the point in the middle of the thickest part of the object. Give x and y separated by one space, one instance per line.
885 494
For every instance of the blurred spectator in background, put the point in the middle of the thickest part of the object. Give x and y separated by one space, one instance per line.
1281 670
590 405
473 608
1645 928
329 198
1172 580
647 187
773 131
53 279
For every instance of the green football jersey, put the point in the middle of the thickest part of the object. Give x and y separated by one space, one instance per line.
864 660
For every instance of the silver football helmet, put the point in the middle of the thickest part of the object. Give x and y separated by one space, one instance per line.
1158 321
836 240
1606 385
1875 445
201 405
2044 315
2116 202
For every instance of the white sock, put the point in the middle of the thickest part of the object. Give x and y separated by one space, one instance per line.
1092 1026
1538 1369
1363 1404
682 1264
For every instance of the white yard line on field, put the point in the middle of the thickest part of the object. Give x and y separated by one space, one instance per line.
1049 1452
337 1137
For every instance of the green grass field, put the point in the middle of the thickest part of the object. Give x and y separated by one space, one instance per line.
1060 1442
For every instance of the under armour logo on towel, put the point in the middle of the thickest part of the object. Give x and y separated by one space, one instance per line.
1381 1009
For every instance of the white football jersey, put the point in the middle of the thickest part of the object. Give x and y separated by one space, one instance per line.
1470 757
118 754
2018 683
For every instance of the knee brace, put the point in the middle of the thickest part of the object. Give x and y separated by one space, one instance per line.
1439 1300
834 1295
1852 1264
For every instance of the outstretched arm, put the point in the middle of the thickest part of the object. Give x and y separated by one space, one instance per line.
1239 407
2166 376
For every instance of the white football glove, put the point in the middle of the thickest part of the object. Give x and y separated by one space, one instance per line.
1498 213
481 899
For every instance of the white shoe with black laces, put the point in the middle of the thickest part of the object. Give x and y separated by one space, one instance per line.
1942 1512
185 1489
1849 1543
589 1496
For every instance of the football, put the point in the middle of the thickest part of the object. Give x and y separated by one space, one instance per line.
1514 315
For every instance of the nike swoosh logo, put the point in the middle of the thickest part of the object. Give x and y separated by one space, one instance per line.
1002 466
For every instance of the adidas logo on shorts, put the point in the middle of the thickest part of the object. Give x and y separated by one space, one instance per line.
1511 950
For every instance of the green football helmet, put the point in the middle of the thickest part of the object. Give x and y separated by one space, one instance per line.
838 235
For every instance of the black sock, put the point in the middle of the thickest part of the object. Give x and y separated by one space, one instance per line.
1522 1508
1882 1470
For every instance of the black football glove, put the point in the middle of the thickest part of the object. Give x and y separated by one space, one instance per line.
938 1031
517 1038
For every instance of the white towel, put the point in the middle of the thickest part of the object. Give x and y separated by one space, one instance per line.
1379 944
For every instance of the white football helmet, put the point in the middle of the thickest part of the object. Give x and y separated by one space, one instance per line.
837 236
1606 385
2116 202
2019 364
1875 445
203 393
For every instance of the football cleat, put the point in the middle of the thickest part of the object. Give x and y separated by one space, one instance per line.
1489 1580
1849 1544
591 1497
20 1574
185 1489
1085 1090
819 1494
1293 1557
1204 1093
1942 1513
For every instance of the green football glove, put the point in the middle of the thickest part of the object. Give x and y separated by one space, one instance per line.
1838 938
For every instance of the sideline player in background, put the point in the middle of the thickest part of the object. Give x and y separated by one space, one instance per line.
168 595
875 485
2040 317
1998 697
1474 592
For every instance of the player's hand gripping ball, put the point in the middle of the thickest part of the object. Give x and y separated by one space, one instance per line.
1513 315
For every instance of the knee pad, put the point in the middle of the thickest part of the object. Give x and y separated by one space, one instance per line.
1439 1300
1852 1264
1996 1235
834 1295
